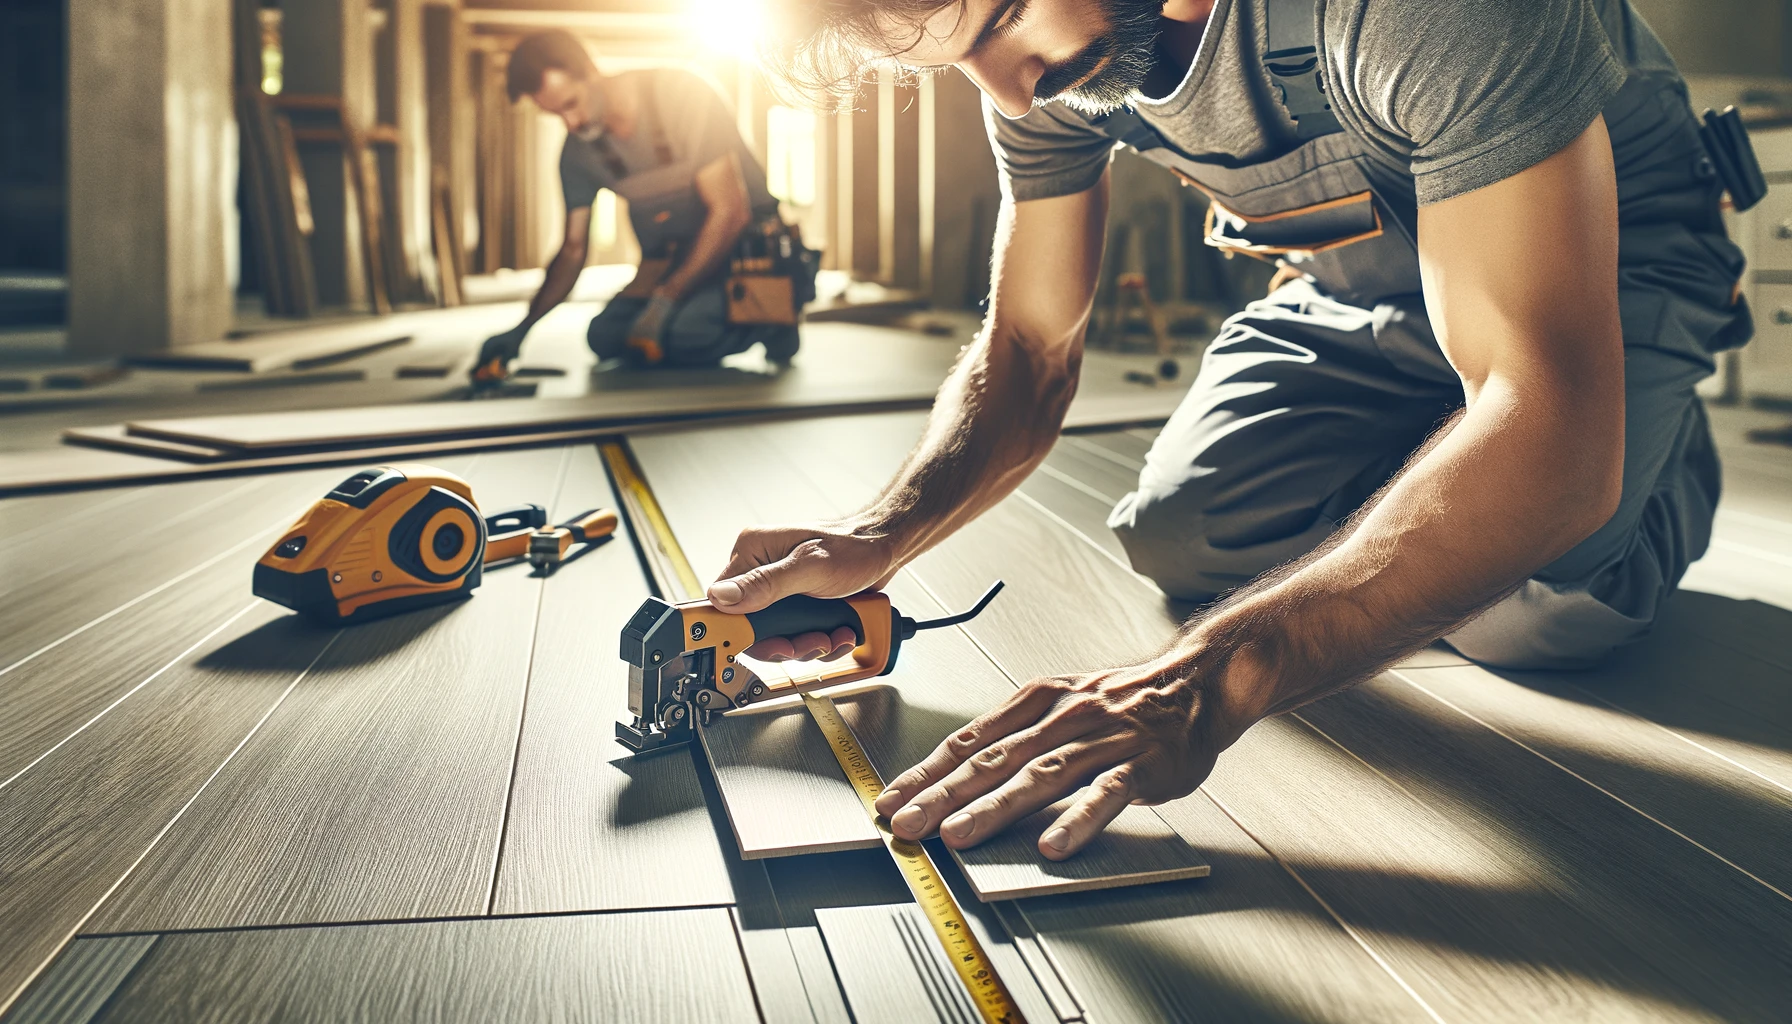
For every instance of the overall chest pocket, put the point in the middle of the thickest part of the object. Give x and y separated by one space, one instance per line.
1314 209
1300 233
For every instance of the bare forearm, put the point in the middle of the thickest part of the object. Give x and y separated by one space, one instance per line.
995 419
1502 492
562 274
714 241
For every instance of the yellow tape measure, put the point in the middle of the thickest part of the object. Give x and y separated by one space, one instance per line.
979 976
967 956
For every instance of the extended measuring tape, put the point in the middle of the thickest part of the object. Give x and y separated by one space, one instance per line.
668 562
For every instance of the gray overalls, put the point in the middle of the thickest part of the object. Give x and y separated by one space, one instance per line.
1312 398
666 213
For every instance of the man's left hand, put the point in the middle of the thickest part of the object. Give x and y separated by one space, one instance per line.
1142 734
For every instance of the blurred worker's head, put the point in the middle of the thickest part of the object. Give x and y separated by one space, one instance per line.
1092 54
553 69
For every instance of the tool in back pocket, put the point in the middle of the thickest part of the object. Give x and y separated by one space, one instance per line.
1733 157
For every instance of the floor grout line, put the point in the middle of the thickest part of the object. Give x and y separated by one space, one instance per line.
177 659
146 595
1105 553
7 1000
375 922
1689 741
1770 887
522 716
1065 478
1097 450
1327 907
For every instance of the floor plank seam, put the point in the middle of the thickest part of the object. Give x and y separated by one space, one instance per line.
1071 481
522 716
1097 450
1688 740
76 930
374 922
146 595
1626 712
1384 776
1751 551
1086 539
1769 522
1355 936
124 496
152 677
1613 796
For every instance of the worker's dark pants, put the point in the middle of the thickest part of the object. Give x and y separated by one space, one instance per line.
1304 406
697 334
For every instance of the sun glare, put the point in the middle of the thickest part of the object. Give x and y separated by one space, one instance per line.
729 27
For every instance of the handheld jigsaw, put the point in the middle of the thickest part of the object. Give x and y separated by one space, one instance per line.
683 667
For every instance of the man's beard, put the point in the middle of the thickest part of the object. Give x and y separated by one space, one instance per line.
1123 55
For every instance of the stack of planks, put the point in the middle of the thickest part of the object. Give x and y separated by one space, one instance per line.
277 200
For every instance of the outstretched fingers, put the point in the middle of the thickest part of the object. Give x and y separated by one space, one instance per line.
1042 782
1098 805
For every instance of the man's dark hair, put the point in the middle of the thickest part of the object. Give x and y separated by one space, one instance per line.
539 51
821 50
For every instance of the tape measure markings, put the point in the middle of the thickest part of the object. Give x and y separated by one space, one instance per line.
968 959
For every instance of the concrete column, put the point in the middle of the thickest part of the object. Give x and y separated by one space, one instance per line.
151 175
328 48
958 195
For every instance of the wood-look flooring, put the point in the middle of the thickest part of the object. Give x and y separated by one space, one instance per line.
210 810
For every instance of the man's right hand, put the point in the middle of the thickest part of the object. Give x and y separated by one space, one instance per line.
836 559
499 349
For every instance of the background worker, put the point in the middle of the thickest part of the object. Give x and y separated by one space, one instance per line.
663 140
1467 413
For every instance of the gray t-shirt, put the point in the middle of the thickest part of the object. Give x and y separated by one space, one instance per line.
697 129
1467 93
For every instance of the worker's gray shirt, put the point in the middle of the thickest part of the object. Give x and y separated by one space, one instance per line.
1466 92
697 128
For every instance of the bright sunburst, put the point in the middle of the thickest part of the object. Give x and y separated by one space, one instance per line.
730 27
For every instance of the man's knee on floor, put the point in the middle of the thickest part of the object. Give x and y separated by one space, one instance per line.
1167 544
1544 626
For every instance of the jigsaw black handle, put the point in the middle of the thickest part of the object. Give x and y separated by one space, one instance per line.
802 614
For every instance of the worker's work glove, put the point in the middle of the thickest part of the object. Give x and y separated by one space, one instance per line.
645 334
496 354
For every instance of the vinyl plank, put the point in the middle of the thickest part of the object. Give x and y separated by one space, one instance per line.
590 828
668 965
1248 944
378 790
78 984
1612 914
79 820
1733 811
773 760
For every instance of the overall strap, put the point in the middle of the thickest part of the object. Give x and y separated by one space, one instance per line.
1291 56
662 149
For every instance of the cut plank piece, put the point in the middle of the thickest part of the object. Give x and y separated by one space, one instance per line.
590 828
378 790
771 761
282 350
680 965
